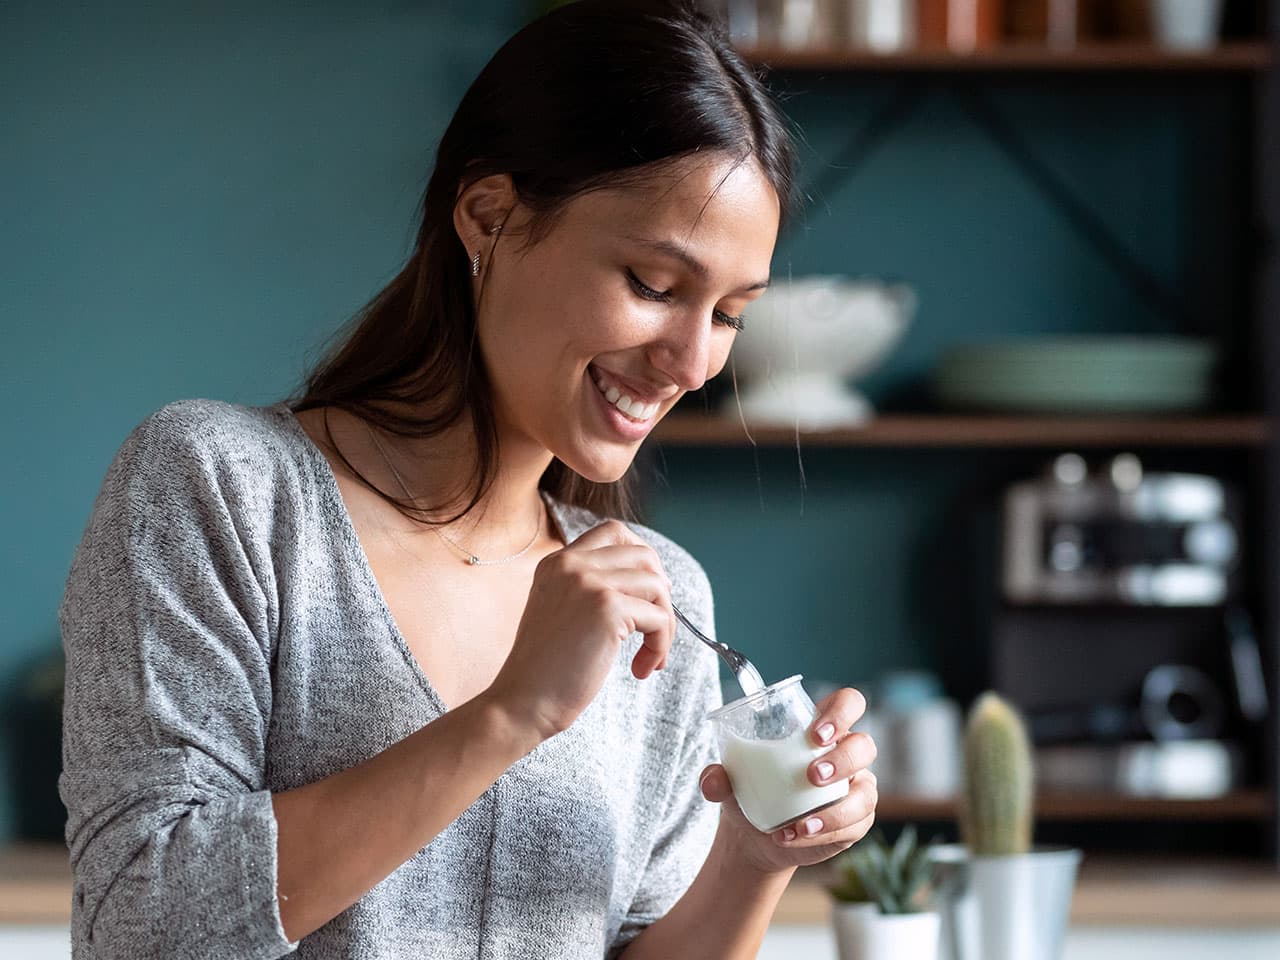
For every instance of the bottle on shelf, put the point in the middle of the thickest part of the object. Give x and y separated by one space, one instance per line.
960 26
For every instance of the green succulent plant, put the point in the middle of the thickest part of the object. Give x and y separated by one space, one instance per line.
848 886
997 804
897 878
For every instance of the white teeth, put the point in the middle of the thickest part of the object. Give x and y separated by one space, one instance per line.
634 409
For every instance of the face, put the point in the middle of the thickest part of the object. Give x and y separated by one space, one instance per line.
635 292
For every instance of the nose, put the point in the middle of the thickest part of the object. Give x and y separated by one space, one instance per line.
683 351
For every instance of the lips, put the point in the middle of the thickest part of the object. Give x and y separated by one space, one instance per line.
637 391
619 425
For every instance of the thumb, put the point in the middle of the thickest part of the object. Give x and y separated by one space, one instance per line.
715 784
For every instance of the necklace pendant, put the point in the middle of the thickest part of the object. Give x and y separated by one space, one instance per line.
473 560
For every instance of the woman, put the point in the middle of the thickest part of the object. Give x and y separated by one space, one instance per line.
371 674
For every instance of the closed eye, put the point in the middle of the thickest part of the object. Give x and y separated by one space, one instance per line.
664 296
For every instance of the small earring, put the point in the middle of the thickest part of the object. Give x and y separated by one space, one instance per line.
497 227
475 265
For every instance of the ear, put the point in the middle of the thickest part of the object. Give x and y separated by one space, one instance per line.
480 207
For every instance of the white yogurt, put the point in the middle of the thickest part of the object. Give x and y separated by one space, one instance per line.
770 778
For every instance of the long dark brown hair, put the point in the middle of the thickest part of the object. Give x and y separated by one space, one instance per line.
594 94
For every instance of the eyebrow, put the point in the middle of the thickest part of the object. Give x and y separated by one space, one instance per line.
696 266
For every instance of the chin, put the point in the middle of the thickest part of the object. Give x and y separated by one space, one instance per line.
600 469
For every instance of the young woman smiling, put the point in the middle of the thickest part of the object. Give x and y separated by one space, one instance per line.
380 671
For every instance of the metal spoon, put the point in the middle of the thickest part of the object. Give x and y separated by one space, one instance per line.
743 670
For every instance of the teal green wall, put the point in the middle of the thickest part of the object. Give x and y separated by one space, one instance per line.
195 196
195 200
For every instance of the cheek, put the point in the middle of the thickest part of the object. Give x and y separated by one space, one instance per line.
604 322
719 355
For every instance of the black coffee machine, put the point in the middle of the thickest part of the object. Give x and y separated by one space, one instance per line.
1120 631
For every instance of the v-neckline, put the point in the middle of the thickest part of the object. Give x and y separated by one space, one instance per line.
355 548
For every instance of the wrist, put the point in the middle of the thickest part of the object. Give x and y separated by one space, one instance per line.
513 729
734 858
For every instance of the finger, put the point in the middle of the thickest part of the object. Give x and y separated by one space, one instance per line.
627 556
840 839
715 784
836 713
642 584
614 546
609 533
851 754
853 833
656 590
611 558
821 826
653 622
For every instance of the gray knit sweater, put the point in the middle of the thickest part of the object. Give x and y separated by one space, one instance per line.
226 638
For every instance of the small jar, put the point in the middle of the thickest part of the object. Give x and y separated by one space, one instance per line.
766 749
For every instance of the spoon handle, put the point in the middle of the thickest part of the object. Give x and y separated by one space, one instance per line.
743 670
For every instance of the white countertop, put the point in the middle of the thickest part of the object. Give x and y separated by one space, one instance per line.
786 942
1128 909
1083 943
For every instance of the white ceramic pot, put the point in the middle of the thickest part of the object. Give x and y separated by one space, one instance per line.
863 934
805 338
1004 908
883 25
849 920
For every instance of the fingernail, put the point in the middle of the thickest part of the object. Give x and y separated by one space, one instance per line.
811 826
825 770
788 834
826 732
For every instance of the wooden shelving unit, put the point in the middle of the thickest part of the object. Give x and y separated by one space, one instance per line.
968 431
1246 68
1061 805
1137 57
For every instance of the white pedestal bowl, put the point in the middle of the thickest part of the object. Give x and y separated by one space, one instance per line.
805 340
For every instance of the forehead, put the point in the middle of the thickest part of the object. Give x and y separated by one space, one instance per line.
722 211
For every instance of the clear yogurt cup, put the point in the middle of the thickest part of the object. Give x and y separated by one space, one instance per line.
765 747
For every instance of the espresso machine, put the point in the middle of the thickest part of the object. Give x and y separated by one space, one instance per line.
1120 630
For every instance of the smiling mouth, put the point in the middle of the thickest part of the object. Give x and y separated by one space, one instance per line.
617 396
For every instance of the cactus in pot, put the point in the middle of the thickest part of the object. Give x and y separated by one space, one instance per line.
1002 898
997 806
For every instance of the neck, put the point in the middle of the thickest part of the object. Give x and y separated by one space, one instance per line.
433 473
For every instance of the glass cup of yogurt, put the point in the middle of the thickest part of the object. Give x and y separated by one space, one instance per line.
765 747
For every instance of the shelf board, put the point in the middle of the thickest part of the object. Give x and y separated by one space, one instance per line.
1232 57
691 429
1065 805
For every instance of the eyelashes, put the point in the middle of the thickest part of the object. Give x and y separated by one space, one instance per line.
642 289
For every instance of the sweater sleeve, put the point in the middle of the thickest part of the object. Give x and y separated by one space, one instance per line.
166 627
690 824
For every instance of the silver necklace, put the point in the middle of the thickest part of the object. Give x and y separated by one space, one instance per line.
470 557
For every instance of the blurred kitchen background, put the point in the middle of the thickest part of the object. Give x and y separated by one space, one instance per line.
1004 421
